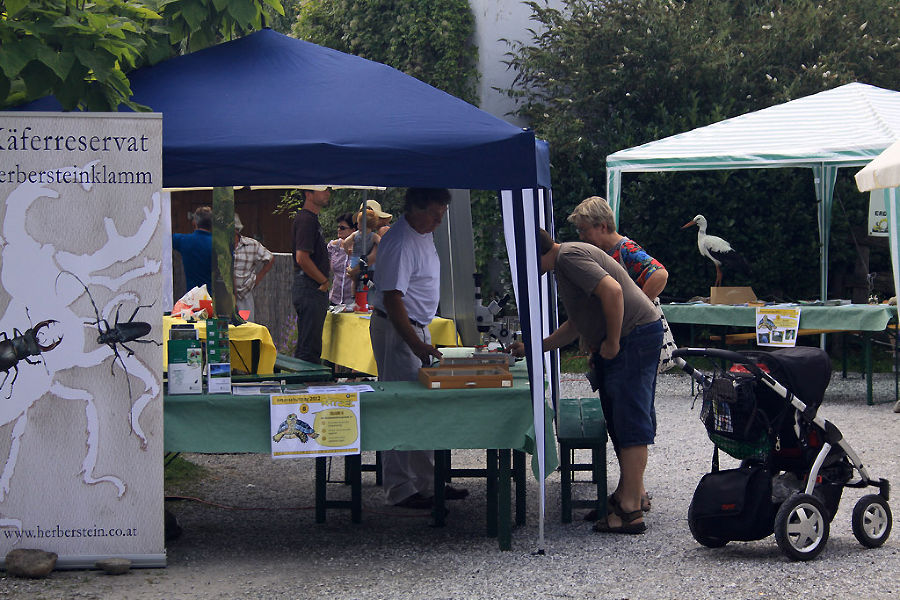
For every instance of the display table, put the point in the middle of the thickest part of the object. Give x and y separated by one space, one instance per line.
864 318
252 348
346 342
397 416
850 317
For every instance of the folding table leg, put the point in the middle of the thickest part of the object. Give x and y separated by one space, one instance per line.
565 481
353 466
491 488
439 511
519 476
320 489
867 342
504 531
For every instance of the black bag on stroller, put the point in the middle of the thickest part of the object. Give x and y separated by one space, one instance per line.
734 504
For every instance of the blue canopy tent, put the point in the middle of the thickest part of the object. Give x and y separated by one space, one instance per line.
270 110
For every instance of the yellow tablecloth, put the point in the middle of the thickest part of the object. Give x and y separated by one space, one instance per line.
346 342
241 337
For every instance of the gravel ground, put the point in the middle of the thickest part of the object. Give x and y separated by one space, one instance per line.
271 547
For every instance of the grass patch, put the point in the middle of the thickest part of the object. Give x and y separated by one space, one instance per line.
181 473
572 360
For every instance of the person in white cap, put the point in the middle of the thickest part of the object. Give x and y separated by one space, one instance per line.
251 263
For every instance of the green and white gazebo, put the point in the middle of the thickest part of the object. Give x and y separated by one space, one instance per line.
846 126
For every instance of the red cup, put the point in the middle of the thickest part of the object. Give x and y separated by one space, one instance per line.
361 301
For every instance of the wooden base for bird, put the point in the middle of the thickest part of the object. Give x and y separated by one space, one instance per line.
731 295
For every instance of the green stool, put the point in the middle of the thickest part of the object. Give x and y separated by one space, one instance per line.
580 425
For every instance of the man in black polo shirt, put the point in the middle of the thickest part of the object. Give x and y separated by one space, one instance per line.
311 270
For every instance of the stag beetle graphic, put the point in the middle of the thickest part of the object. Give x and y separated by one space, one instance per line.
119 333
20 347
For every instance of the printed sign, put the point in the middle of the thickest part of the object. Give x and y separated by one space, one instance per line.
306 425
878 217
777 326
83 225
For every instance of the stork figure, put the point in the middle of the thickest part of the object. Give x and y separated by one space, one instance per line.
717 250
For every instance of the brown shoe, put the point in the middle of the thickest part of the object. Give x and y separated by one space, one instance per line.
417 501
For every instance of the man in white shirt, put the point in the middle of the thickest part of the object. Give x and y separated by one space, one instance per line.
404 301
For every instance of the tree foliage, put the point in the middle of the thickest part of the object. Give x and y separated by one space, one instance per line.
603 75
82 51
428 39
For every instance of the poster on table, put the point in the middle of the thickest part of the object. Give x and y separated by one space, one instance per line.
777 326
81 417
308 425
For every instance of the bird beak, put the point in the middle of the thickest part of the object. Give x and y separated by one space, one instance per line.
688 224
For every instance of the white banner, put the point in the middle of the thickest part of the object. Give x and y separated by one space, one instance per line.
878 217
81 419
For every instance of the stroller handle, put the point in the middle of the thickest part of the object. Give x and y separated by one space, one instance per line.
730 356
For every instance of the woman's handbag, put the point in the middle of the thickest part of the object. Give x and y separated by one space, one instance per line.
666 361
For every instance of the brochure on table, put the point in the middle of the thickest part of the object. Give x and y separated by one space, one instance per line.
777 326
218 356
308 425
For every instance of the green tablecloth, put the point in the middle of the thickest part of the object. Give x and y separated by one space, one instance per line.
397 416
850 317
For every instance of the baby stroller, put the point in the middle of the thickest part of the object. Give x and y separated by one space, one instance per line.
794 464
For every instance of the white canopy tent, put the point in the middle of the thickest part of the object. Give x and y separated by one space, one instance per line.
882 177
844 127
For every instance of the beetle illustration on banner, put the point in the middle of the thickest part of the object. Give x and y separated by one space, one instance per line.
82 234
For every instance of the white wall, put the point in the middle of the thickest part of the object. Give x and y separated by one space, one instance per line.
495 19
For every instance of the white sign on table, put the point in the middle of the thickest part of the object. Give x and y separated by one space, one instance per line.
777 326
309 425
84 225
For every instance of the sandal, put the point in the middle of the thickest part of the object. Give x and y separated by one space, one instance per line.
611 501
628 522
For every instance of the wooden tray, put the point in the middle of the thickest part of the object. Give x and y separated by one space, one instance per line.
484 359
453 378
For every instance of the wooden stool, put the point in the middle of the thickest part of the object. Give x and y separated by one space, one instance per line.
580 425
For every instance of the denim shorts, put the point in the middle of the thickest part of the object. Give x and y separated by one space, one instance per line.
629 386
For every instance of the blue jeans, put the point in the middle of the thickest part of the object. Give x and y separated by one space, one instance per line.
629 385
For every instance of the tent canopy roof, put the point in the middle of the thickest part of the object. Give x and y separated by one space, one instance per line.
844 126
268 109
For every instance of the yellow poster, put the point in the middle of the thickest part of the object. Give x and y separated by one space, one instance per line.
777 326
308 425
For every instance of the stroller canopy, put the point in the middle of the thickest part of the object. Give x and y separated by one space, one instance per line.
805 371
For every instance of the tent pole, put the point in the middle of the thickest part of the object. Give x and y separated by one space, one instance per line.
614 190
824 178
522 206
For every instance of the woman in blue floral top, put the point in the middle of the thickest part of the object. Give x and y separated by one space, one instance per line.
594 221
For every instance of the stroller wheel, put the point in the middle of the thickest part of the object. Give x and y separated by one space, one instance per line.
872 520
801 527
